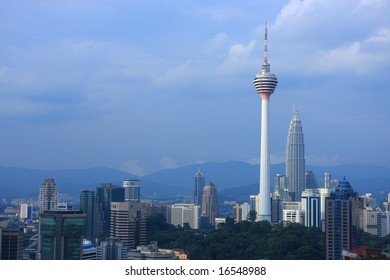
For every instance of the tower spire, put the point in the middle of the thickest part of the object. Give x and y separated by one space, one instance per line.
265 45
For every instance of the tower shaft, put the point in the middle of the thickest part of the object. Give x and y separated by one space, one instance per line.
265 83
265 189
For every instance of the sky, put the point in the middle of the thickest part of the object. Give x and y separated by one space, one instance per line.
142 86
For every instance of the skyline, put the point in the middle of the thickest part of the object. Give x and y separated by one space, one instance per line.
146 87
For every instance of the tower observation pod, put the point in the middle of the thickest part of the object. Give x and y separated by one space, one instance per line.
265 83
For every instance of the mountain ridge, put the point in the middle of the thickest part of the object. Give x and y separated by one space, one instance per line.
25 182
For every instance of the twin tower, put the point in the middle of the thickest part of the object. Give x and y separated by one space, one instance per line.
265 83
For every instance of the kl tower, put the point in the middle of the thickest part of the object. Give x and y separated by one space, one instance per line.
265 83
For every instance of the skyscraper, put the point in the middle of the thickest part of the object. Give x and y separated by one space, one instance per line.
128 222
295 159
132 190
311 207
341 221
94 216
198 190
61 235
48 196
105 194
265 83
210 202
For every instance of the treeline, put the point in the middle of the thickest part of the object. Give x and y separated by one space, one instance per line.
243 240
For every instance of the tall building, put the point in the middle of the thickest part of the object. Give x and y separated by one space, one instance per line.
185 214
11 241
111 248
295 159
94 216
26 211
310 180
371 221
60 235
132 190
48 196
342 220
265 83
210 203
311 207
198 190
128 222
105 194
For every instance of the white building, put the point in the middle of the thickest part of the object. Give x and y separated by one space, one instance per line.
311 207
185 214
48 196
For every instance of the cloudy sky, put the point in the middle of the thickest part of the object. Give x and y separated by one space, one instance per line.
146 85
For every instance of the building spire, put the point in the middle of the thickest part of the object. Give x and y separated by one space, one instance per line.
265 45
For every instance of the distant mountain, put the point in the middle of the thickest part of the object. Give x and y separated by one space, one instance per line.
234 180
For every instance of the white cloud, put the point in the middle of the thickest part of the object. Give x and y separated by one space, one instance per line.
216 42
132 166
168 163
238 58
179 75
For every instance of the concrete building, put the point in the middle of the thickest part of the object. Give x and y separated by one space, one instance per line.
128 222
371 221
311 207
210 202
265 83
112 248
149 252
26 211
48 196
182 214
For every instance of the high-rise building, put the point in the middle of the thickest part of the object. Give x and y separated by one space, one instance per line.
111 248
295 159
105 194
310 180
265 83
11 241
26 211
371 221
132 190
342 209
94 216
128 222
311 207
198 190
61 235
210 202
185 214
48 196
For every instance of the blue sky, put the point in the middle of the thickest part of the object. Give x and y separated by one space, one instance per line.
147 85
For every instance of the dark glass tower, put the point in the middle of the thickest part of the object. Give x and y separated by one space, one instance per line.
198 190
295 159
61 235
94 216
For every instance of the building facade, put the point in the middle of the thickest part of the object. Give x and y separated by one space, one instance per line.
198 188
132 190
61 235
48 196
94 216
210 203
295 159
128 222
311 207
182 214
342 209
